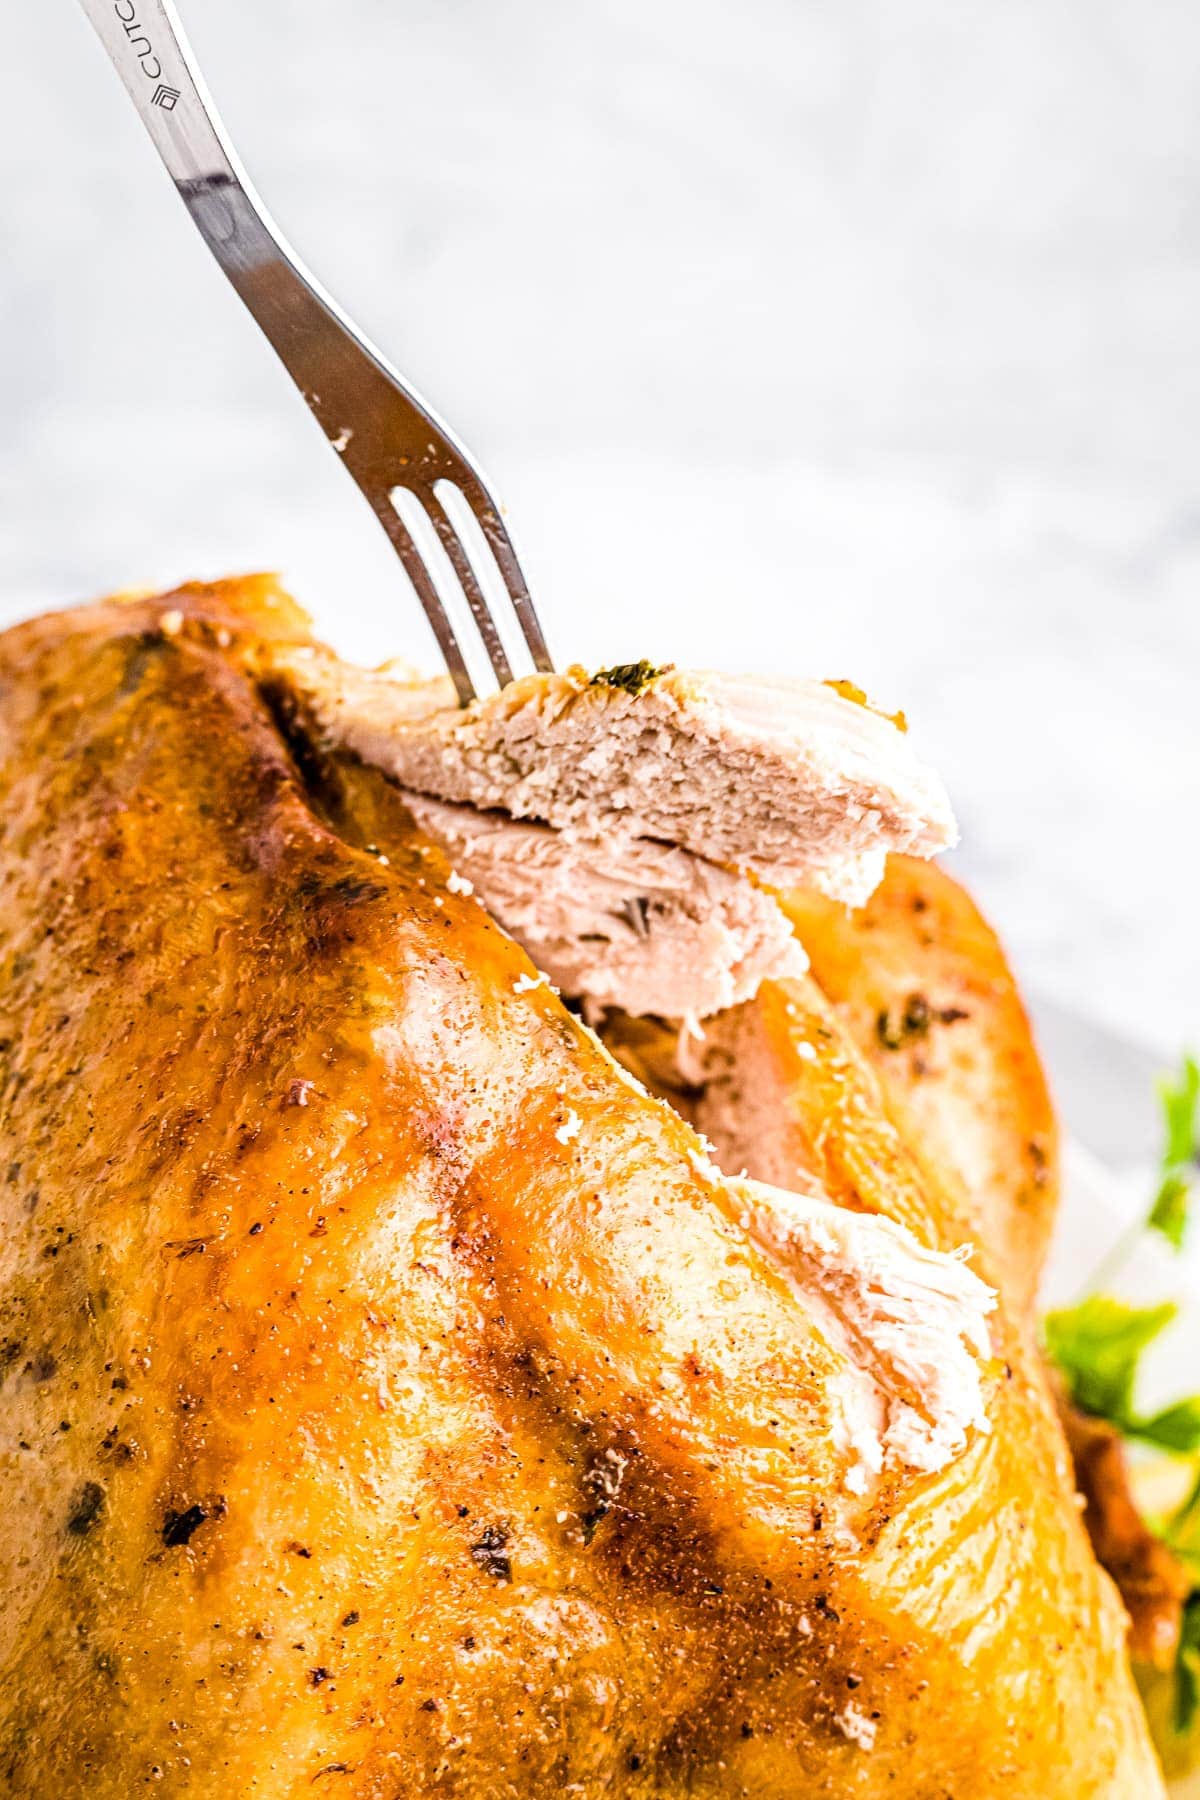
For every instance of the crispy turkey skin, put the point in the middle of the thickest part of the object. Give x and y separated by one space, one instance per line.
395 1401
922 984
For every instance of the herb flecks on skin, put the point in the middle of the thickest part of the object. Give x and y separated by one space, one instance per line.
489 1552
178 1527
630 678
900 1025
86 1508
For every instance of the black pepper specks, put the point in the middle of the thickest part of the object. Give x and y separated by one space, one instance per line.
488 1552
86 1508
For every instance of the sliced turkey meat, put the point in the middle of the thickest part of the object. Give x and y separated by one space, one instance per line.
636 923
795 782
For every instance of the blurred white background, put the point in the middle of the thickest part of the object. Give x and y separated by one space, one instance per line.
830 336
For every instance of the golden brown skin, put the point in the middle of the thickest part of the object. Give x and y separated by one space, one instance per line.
922 983
923 986
833 1118
318 1337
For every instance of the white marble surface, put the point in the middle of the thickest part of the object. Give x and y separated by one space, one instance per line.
840 337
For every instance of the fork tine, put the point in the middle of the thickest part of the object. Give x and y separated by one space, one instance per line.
484 511
518 593
427 594
461 563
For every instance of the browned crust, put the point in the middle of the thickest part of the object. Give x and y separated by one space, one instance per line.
922 982
925 990
320 1326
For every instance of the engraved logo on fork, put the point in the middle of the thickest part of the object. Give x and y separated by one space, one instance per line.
143 49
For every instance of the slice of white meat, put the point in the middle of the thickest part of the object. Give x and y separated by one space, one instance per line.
636 924
795 782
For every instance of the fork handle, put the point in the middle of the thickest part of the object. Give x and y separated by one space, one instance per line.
151 55
384 434
146 42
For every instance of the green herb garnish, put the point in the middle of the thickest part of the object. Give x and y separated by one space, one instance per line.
1181 1531
1097 1345
631 678
1169 1214
1181 1111
1175 1428
1187 1666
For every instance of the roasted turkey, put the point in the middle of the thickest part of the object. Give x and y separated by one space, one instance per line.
399 1398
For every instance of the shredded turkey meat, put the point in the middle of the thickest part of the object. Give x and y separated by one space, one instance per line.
915 1318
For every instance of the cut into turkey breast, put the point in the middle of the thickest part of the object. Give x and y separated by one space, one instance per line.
636 924
914 1317
791 781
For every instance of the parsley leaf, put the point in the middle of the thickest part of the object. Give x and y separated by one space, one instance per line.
630 677
1187 1666
1181 1114
1175 1428
1181 1109
1169 1214
1097 1345
1181 1532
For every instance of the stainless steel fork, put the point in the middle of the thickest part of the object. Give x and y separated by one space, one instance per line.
423 487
